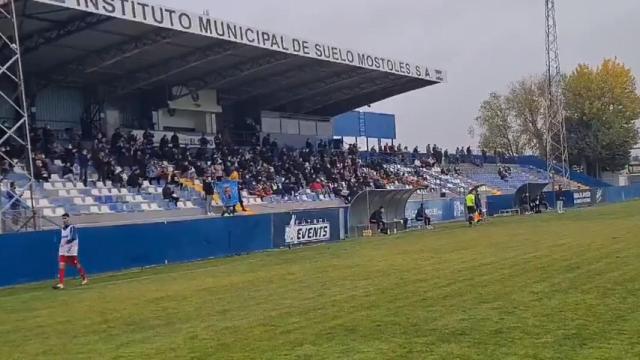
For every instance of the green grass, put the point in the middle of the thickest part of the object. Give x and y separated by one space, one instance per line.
539 287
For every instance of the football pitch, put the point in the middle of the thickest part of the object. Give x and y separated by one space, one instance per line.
533 287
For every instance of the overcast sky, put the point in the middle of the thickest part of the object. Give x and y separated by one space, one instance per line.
483 44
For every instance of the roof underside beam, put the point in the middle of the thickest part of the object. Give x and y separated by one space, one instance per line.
214 79
370 97
289 80
61 31
309 89
105 57
144 77
368 83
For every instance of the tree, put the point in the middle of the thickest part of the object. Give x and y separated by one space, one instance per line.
514 123
602 105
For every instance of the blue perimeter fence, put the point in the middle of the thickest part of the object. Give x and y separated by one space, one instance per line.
572 198
32 256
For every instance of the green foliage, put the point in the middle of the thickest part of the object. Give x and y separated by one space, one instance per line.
498 291
514 123
602 105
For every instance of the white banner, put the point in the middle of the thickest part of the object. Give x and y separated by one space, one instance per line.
301 233
166 17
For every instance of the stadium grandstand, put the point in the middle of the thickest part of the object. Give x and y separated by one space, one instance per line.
130 109
134 113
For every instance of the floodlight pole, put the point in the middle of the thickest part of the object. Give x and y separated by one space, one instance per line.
16 130
556 141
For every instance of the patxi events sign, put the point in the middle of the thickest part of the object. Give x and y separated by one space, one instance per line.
162 16
303 231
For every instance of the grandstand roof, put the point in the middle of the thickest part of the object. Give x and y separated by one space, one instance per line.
128 46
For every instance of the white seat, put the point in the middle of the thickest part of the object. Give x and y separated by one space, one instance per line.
114 192
57 162
55 177
100 185
129 198
139 198
89 201
145 207
78 201
48 212
58 185
69 185
48 186
74 193
124 192
105 192
63 193
154 207
104 209
108 184
80 186
189 205
146 184
182 205
95 192
53 212
94 210
153 190
43 203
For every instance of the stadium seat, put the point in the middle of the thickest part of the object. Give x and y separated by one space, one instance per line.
105 192
74 193
58 185
100 185
69 185
146 184
155 207
94 210
89 201
48 186
105 209
53 212
114 192
78 201
139 199
95 192
63 193
42 203
124 191
54 178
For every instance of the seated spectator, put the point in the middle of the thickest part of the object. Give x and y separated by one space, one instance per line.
316 187
67 172
135 180
174 180
119 178
169 195
41 171
422 216
377 218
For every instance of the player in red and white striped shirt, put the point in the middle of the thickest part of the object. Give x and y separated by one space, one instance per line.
68 252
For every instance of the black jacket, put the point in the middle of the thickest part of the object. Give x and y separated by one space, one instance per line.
208 188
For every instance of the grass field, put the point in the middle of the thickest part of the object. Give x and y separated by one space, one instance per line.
539 287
